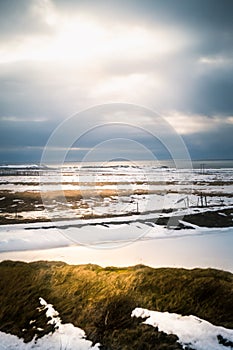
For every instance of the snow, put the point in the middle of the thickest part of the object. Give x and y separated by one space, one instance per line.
20 239
50 313
188 224
66 336
203 248
107 233
191 331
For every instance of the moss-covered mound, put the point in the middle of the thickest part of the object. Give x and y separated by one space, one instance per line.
100 300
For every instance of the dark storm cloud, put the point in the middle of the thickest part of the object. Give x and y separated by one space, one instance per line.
23 141
217 144
213 93
24 133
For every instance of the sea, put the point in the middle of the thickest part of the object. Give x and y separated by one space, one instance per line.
170 163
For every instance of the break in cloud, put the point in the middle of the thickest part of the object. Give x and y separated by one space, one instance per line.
59 57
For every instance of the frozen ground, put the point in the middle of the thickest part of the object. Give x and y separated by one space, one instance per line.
122 208
99 191
111 206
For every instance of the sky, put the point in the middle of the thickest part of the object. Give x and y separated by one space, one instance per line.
61 57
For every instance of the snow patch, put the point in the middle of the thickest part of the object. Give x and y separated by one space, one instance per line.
66 336
191 331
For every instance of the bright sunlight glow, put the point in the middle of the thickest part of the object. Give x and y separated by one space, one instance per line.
82 40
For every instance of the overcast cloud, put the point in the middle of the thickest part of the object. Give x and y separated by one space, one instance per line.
58 57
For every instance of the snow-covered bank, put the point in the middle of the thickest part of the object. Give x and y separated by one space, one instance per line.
98 233
192 331
98 236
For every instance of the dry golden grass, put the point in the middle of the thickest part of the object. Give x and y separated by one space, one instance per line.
100 300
